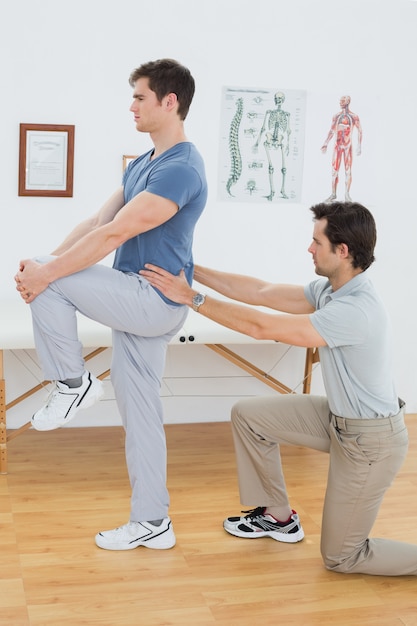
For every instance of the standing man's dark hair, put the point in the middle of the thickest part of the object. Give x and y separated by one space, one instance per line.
352 224
168 76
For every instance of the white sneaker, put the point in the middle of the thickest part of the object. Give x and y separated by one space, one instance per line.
135 534
258 524
64 402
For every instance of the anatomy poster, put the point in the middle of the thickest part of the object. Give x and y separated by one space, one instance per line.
261 145
344 134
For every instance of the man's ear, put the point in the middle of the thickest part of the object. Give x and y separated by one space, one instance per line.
171 100
344 250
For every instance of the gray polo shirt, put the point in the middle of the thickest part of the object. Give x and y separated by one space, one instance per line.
356 364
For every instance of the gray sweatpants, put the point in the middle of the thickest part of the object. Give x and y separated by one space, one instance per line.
365 456
143 324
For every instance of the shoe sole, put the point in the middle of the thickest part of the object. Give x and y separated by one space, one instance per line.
283 537
152 543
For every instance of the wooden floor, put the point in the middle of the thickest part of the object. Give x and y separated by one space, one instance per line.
66 485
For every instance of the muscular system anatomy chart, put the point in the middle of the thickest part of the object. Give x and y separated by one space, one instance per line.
262 145
344 122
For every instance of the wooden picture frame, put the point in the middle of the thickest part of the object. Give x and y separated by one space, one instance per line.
46 160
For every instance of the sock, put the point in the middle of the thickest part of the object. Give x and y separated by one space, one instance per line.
73 382
280 521
156 522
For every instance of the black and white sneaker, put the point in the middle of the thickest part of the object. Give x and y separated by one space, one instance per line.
135 534
64 402
256 524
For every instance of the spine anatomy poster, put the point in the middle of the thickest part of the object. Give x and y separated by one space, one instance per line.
261 145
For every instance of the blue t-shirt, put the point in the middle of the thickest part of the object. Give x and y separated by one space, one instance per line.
356 364
177 174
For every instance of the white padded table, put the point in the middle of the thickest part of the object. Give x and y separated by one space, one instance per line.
16 334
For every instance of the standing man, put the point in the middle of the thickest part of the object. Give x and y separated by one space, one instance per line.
361 421
150 218
343 124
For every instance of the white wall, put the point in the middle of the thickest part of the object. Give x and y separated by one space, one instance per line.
69 64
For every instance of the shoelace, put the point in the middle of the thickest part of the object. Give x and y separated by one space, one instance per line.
53 396
56 396
254 513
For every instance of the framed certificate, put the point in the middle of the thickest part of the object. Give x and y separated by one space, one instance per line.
46 160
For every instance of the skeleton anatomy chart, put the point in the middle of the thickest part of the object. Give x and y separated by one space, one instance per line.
261 145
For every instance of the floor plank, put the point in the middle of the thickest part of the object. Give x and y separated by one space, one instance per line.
66 485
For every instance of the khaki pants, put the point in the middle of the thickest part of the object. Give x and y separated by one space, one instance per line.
365 456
